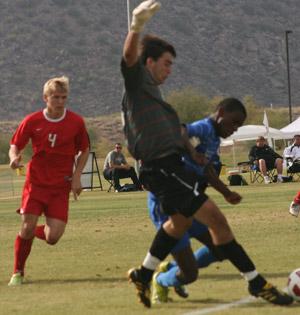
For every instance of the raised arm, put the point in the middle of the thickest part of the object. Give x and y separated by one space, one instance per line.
140 16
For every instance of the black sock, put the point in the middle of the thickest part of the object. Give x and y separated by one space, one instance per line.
146 274
160 248
237 256
162 244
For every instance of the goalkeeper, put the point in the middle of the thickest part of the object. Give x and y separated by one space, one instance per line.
153 133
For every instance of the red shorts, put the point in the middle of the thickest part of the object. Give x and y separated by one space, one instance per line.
53 203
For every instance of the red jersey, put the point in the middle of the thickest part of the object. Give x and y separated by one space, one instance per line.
55 142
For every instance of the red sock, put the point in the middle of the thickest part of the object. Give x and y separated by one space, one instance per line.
40 232
22 251
297 198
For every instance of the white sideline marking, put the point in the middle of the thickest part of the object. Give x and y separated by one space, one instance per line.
11 197
222 307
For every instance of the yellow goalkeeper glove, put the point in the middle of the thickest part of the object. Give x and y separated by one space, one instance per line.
142 14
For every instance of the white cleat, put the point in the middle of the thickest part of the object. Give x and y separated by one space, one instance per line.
294 209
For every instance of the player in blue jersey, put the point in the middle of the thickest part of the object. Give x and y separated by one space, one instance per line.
206 135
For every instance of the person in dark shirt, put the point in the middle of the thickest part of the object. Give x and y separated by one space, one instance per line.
264 158
155 137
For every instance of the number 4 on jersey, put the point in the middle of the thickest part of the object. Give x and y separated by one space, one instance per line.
52 139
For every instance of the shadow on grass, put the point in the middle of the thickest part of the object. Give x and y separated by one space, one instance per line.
236 276
74 280
100 278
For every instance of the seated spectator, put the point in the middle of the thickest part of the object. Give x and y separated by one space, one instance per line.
264 158
292 155
116 167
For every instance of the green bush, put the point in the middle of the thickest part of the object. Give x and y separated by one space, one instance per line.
189 104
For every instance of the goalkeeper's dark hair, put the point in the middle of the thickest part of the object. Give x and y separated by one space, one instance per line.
231 105
153 47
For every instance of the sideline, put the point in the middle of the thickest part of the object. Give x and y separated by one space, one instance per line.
11 197
222 307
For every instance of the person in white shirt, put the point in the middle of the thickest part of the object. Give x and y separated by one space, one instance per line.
292 155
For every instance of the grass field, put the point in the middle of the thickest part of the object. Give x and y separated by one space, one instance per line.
85 273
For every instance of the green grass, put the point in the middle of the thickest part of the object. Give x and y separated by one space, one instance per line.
107 233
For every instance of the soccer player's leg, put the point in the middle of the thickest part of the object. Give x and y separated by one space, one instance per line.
208 254
223 238
40 232
204 256
54 229
169 275
295 205
56 216
177 191
22 247
165 239
32 206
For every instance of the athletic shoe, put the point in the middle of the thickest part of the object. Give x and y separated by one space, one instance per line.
163 266
271 294
143 289
16 279
181 291
159 293
279 179
267 180
294 209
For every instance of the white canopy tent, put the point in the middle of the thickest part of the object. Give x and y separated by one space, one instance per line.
251 132
292 129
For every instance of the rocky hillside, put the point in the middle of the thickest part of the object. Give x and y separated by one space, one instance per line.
224 48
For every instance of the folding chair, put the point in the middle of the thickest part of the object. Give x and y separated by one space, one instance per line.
111 184
257 176
293 169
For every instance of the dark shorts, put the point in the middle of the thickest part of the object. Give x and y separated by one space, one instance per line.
295 167
270 163
176 187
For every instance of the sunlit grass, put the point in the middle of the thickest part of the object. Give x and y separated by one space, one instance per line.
85 273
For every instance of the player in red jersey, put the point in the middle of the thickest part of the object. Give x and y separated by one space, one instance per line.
57 136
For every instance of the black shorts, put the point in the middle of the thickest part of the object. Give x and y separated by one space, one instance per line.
270 163
177 188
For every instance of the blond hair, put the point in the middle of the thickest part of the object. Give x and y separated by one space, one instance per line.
60 84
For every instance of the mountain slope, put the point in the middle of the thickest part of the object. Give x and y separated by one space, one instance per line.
224 48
